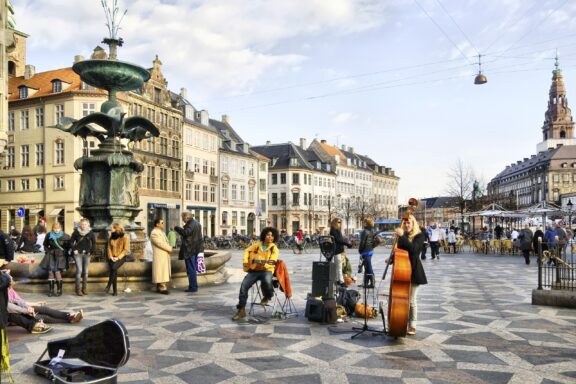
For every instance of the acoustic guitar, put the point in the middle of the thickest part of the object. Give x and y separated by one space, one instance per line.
399 299
255 264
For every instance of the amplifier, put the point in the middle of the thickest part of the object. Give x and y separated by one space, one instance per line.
323 276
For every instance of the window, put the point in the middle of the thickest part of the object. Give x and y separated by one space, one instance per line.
24 156
234 218
205 166
274 179
283 198
11 185
212 194
197 165
157 94
40 183
59 152
262 185
242 167
224 218
243 218
282 178
274 199
212 168
39 154
56 86
23 92
25 184
296 198
188 191
39 117
262 167
224 191
566 178
163 179
224 165
87 147
251 170
263 205
24 120
197 192
87 86
59 182
251 193
10 157
175 180
164 146
88 108
151 145
59 110
188 137
242 193
175 148
234 192
293 162
11 121
296 178
555 178
205 193
151 177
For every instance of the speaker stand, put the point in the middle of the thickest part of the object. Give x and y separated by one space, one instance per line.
365 327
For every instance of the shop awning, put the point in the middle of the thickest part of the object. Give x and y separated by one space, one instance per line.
35 211
55 212
388 221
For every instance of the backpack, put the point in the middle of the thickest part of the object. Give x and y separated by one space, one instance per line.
348 299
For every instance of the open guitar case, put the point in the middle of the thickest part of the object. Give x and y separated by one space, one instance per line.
93 356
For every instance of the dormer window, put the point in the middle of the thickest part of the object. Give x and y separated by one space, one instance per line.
85 86
564 165
293 161
56 86
23 92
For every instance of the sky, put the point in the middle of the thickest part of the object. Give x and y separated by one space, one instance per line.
394 79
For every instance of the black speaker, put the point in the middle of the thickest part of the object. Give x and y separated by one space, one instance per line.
314 310
323 276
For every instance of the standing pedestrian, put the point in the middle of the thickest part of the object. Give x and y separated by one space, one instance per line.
340 242
426 233
172 237
56 245
366 249
118 247
83 247
525 242
452 240
6 247
192 245
435 237
538 241
161 270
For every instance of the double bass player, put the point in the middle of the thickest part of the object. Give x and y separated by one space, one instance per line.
411 239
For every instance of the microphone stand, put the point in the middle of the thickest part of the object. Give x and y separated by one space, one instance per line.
365 327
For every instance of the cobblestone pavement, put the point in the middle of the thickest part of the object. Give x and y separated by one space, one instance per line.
476 325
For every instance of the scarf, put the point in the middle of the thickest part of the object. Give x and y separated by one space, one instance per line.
84 233
116 235
55 236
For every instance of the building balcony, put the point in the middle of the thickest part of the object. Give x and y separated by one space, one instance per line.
189 175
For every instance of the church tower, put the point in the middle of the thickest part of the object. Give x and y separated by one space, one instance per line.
558 125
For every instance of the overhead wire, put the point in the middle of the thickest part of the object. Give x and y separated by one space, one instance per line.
458 26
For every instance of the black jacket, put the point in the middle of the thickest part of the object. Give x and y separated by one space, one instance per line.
4 283
367 241
192 242
414 249
6 247
339 241
83 244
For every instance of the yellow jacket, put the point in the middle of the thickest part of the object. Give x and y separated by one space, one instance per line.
270 254
118 247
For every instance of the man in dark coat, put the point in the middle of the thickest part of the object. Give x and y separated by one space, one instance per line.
6 247
192 245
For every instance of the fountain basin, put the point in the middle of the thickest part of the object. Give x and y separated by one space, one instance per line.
112 75
135 275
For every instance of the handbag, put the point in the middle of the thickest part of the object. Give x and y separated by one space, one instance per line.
200 263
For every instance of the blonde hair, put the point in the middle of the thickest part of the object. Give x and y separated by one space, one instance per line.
334 222
415 228
118 227
369 223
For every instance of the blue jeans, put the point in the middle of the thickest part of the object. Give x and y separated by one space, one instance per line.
191 272
82 263
369 272
265 278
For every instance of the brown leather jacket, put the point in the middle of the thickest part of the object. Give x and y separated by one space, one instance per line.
118 247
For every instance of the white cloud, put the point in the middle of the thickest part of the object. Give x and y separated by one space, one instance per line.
343 118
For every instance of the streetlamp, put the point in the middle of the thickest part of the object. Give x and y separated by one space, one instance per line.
569 205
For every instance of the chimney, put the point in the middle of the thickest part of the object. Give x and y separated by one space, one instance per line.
78 58
267 142
343 147
302 143
29 71
183 93
225 119
204 119
350 149
323 141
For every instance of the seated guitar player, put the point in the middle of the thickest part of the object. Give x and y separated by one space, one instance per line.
259 261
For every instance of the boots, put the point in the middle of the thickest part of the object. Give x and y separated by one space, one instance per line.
84 292
240 314
59 284
50 288
107 290
78 292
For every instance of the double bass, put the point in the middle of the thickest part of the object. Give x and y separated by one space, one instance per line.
399 297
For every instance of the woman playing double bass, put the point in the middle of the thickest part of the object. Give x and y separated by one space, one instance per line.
411 239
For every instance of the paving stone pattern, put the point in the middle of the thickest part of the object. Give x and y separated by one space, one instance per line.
476 325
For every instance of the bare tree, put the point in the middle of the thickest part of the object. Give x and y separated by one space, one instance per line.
461 185
347 210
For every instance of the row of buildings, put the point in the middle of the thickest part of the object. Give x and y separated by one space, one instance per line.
198 163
